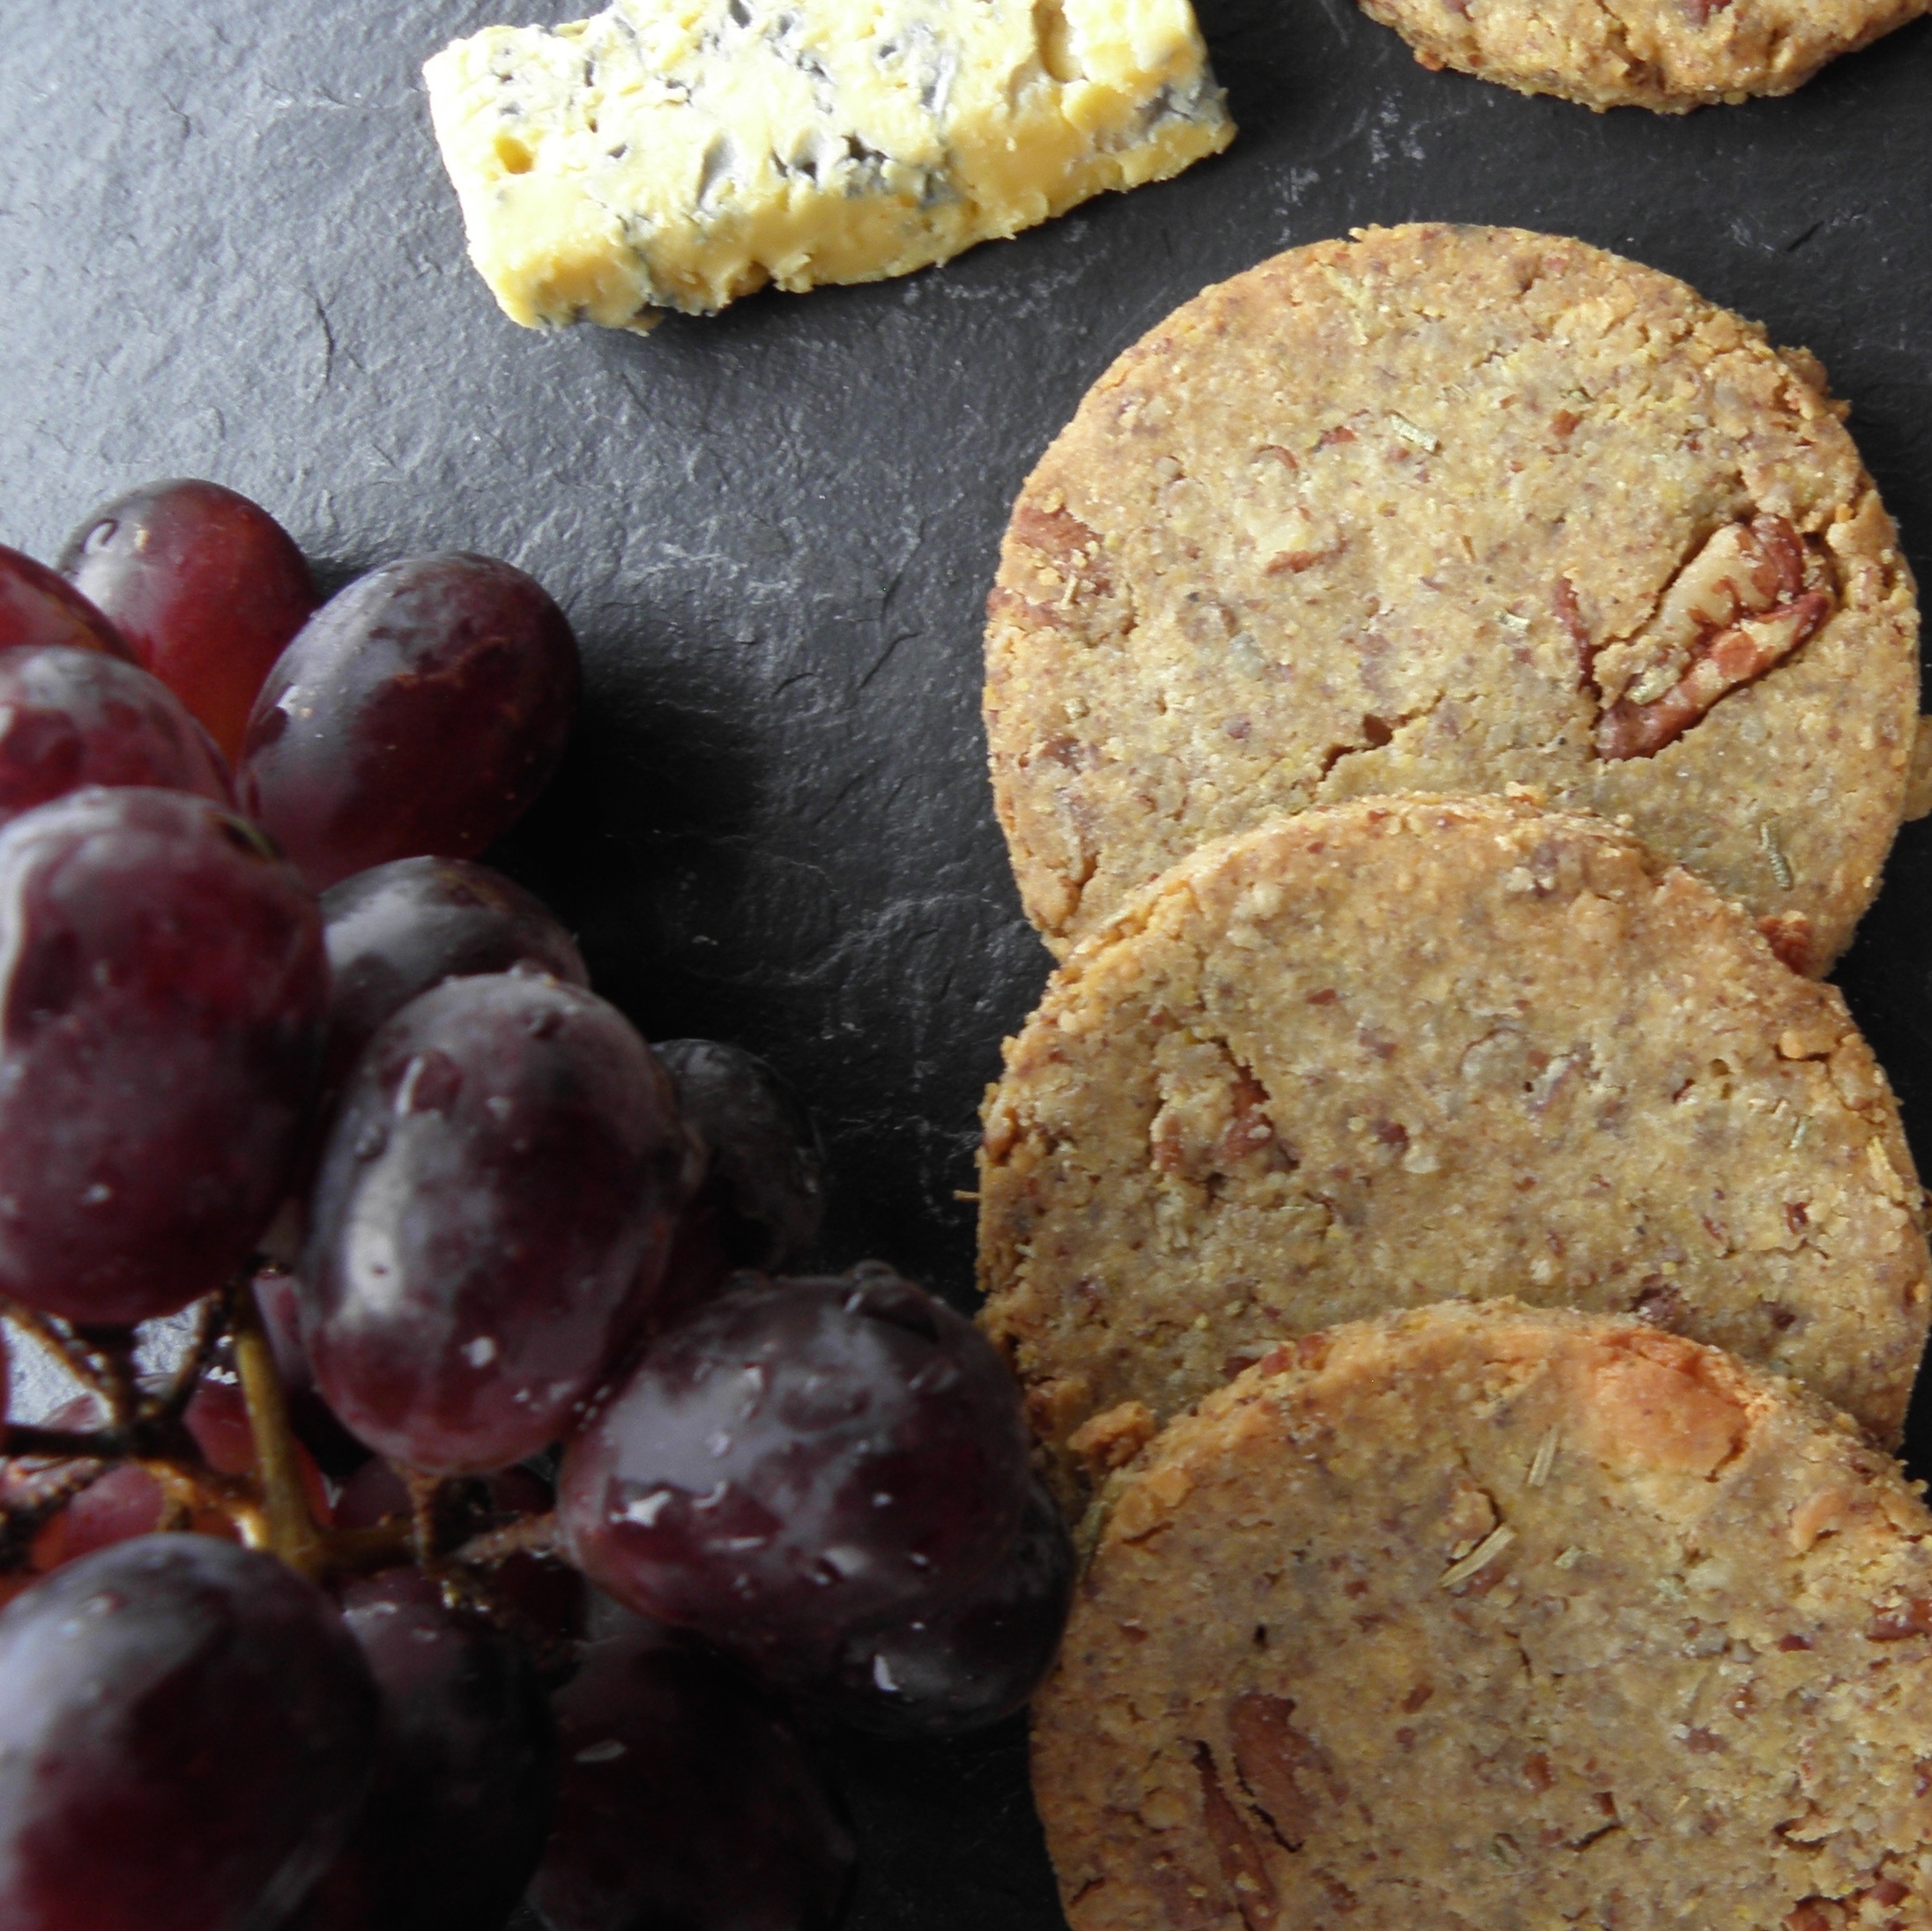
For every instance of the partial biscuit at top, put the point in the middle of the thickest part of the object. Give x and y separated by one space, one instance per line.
1669 55
1409 1050
1498 1620
1448 509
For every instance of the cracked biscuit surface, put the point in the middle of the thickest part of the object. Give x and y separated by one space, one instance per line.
1408 1050
1448 509
1500 1618
1669 55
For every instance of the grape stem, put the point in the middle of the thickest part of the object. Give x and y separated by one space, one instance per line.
25 1439
291 1531
269 1506
25 1515
146 1427
531 1535
426 1495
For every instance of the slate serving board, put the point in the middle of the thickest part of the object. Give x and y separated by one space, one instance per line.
228 249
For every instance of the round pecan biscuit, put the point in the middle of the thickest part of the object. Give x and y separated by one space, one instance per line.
1404 1051
1500 1618
1444 509
1667 55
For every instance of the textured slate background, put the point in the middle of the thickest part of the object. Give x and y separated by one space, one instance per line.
226 248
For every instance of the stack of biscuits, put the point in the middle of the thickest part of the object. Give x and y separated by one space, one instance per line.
1451 693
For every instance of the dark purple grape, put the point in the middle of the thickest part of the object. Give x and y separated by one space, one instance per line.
688 1803
971 1663
162 989
399 929
38 607
419 712
503 1167
763 1194
797 1461
186 1734
465 1769
206 587
74 717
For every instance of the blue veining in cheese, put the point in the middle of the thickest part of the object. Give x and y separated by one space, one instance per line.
665 155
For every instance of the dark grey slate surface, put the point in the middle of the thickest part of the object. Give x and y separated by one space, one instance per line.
226 249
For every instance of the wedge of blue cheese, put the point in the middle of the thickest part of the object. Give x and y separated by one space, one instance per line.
679 153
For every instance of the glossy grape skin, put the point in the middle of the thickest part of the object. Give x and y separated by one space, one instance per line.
762 1195
419 711
971 1663
69 718
501 1170
186 1734
162 991
38 608
688 1803
399 929
205 586
465 1769
797 1461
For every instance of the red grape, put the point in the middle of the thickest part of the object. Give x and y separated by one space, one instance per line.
74 717
419 712
688 1803
971 1663
798 1461
399 929
763 1194
186 1734
162 991
501 1170
206 587
38 607
465 1769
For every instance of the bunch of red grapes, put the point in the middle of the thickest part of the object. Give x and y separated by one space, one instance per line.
493 1298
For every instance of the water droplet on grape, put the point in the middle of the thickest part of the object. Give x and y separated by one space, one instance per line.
431 1083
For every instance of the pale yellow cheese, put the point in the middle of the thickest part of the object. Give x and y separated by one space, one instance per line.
678 153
